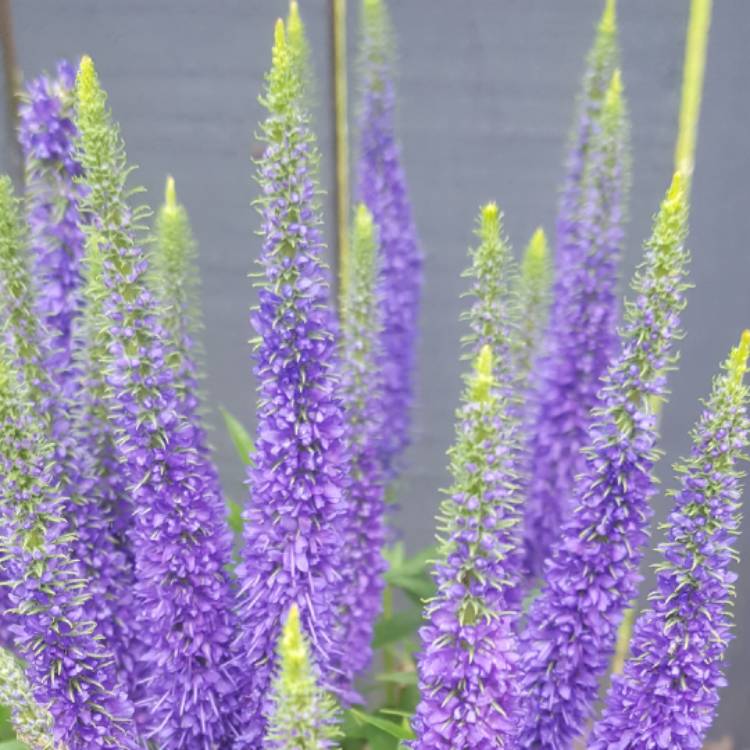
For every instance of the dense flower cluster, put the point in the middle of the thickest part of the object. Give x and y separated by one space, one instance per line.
668 693
468 665
132 618
382 188
592 573
363 395
295 518
47 136
581 335
179 538
67 664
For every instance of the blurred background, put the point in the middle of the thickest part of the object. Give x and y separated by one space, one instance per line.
487 91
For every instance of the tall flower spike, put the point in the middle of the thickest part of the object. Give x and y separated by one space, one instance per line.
363 394
493 316
47 134
300 468
67 665
180 542
592 573
26 337
32 723
382 188
303 716
582 335
669 691
468 667
533 291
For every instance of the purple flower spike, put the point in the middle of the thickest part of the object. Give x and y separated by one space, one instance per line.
363 396
46 134
592 573
581 336
669 690
179 537
296 513
469 665
69 668
382 188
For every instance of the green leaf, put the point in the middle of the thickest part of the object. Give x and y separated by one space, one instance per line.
397 678
396 628
397 712
234 516
13 745
411 566
398 731
421 587
6 726
240 437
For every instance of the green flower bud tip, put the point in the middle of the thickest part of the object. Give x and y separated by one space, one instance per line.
483 381
536 257
87 82
293 649
294 28
738 359
490 218
608 22
170 195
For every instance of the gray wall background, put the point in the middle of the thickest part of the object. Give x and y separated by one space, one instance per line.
487 89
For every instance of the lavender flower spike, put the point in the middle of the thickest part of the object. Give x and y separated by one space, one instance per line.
581 339
668 693
363 395
68 667
382 188
47 135
303 716
32 722
179 537
293 538
468 667
593 571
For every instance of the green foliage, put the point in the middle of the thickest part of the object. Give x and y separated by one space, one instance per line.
303 716
401 731
240 437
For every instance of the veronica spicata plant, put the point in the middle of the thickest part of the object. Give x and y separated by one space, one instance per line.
382 188
581 335
47 135
592 573
362 389
294 521
179 538
669 690
468 665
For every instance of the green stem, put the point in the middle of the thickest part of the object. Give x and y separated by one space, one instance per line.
341 138
692 85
